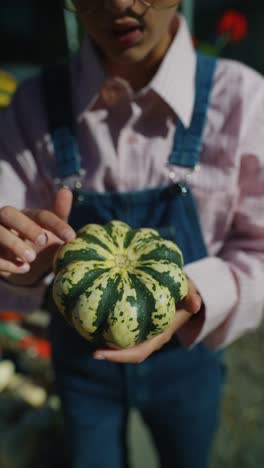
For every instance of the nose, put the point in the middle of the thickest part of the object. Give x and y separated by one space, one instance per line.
118 6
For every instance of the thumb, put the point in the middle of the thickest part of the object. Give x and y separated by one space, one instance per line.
63 203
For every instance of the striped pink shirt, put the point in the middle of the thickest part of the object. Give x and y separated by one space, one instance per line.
125 141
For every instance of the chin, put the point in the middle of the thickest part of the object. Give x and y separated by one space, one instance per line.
129 56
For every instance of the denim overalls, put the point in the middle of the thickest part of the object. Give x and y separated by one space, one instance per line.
177 391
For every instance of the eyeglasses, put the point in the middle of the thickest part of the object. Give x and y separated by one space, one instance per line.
92 6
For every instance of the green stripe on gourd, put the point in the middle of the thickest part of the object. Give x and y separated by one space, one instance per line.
99 233
136 237
90 314
72 281
129 322
160 250
119 285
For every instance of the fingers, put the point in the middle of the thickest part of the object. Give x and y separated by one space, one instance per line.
56 220
181 317
140 352
192 302
63 203
11 265
29 226
36 270
51 222
7 268
23 234
16 246
12 219
133 355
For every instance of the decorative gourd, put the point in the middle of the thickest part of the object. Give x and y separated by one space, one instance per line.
118 286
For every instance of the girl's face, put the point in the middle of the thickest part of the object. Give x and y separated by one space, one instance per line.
126 31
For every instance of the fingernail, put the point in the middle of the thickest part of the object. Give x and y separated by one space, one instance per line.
24 268
68 235
41 240
30 255
100 357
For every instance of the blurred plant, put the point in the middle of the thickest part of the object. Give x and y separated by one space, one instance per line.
231 28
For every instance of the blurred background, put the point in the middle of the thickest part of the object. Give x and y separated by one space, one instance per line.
32 35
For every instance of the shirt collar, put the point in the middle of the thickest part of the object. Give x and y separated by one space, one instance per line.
175 78
174 81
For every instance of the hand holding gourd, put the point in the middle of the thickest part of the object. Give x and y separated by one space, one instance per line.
138 353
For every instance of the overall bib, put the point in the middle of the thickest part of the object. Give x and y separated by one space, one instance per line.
177 391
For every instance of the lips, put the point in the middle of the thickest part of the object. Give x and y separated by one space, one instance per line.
125 25
120 32
128 32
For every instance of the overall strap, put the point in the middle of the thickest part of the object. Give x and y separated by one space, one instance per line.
188 141
56 89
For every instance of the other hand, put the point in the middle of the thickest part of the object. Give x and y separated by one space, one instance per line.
138 353
30 238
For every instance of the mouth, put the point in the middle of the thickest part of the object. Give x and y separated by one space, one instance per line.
127 33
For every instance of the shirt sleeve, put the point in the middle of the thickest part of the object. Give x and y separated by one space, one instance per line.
232 283
23 299
23 178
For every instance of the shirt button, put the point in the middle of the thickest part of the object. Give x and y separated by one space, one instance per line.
172 175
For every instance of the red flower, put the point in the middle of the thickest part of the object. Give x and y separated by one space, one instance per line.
234 25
